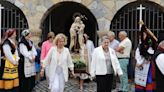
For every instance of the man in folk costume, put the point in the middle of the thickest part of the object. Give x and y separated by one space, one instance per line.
144 66
27 63
159 67
9 81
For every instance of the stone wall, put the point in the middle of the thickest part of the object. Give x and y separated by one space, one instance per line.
103 10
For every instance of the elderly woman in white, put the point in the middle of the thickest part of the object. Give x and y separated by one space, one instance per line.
59 60
104 64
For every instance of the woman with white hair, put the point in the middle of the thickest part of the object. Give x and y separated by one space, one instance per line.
59 60
104 64
113 42
27 62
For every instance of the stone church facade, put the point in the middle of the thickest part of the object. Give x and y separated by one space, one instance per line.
103 10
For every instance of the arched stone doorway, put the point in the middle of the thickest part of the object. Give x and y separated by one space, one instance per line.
12 17
128 16
59 19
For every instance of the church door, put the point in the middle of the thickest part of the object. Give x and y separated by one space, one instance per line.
127 18
12 17
60 17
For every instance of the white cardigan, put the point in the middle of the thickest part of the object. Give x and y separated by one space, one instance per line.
65 62
98 64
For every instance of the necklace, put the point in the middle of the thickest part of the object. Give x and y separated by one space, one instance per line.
106 50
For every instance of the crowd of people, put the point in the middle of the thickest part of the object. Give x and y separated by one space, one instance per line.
23 66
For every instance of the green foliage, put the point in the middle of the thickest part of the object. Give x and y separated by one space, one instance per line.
79 64
78 61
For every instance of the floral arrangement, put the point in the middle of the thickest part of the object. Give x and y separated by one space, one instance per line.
78 61
79 64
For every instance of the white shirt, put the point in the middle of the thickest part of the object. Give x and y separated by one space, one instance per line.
140 59
127 45
9 55
90 46
160 62
27 54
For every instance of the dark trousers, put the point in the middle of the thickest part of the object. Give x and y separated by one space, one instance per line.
27 84
104 82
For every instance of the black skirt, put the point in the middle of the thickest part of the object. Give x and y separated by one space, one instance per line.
25 84
159 81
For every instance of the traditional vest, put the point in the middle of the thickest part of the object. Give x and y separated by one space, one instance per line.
26 67
23 41
11 46
10 70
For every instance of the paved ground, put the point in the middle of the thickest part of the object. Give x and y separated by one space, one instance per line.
71 86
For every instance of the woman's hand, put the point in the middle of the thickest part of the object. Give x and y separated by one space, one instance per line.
42 73
73 74
92 78
33 58
139 66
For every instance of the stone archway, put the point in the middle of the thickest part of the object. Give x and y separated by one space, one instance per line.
12 17
128 16
59 19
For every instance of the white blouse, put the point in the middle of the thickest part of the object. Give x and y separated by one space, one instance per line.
9 55
28 54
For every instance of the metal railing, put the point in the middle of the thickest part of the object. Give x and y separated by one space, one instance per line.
127 20
12 17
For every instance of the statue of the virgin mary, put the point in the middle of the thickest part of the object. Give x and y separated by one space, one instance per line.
76 34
